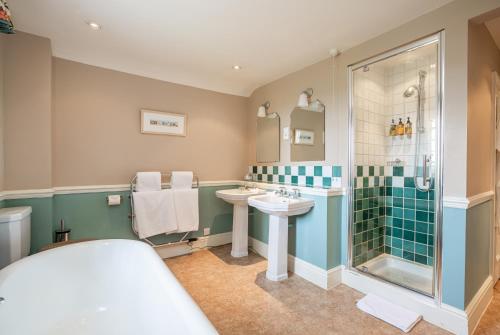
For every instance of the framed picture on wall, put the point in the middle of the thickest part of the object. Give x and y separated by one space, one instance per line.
163 123
304 137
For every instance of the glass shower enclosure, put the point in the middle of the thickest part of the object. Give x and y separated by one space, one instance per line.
395 166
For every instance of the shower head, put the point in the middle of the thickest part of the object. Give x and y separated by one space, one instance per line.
410 91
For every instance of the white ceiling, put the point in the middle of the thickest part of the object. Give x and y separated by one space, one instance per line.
196 42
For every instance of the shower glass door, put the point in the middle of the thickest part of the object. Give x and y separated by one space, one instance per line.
395 166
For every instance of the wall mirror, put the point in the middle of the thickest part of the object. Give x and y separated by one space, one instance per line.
268 135
307 138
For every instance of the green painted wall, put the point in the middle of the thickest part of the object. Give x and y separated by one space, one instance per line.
334 230
453 256
466 252
314 237
478 255
89 216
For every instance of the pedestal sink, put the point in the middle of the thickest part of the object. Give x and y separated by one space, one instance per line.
279 209
238 197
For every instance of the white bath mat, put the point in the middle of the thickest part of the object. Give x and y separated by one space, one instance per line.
387 311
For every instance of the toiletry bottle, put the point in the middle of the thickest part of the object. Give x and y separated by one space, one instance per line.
408 127
400 128
392 130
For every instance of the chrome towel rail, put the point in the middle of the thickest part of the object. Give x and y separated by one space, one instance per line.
165 184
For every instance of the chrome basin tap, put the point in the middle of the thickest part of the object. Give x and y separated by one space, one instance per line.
282 192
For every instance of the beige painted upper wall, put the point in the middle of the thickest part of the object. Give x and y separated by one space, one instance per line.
283 95
27 112
484 58
96 128
453 18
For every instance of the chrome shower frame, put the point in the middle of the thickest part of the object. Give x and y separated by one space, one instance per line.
438 38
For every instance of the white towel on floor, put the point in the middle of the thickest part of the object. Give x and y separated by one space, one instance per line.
186 209
148 181
154 213
181 179
387 311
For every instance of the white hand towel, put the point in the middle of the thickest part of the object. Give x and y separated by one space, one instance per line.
387 311
148 181
154 213
186 209
181 179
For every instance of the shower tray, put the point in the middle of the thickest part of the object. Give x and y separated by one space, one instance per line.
400 271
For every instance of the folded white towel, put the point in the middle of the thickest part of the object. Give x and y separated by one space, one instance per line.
181 179
387 311
148 181
154 213
186 209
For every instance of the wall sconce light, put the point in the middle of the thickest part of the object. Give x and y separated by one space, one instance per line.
304 98
307 103
263 109
317 106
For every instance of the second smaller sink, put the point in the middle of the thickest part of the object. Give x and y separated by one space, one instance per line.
238 195
280 206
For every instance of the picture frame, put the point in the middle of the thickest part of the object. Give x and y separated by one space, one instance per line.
303 137
163 123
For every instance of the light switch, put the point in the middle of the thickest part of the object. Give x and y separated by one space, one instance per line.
286 133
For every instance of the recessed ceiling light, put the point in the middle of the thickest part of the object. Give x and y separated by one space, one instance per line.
236 67
94 25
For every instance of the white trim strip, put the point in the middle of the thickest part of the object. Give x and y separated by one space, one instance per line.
480 198
23 194
50 192
465 203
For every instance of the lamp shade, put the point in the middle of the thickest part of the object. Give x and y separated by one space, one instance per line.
303 100
6 25
261 112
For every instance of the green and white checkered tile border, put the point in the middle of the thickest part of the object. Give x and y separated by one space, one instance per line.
324 176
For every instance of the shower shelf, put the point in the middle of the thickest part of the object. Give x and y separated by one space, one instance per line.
401 136
396 162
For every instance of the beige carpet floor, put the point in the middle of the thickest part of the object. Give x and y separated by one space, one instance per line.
238 299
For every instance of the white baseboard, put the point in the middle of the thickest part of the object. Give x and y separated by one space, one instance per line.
312 273
451 319
444 316
202 243
479 304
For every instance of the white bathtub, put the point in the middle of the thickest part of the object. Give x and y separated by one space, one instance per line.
97 287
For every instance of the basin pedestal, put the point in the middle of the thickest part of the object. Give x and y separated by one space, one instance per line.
239 198
277 249
279 209
240 230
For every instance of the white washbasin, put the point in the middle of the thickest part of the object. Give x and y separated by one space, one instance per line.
274 204
279 209
238 195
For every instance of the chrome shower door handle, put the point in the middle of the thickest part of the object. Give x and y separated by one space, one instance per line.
425 178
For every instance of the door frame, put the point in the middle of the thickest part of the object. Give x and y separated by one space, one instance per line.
495 230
